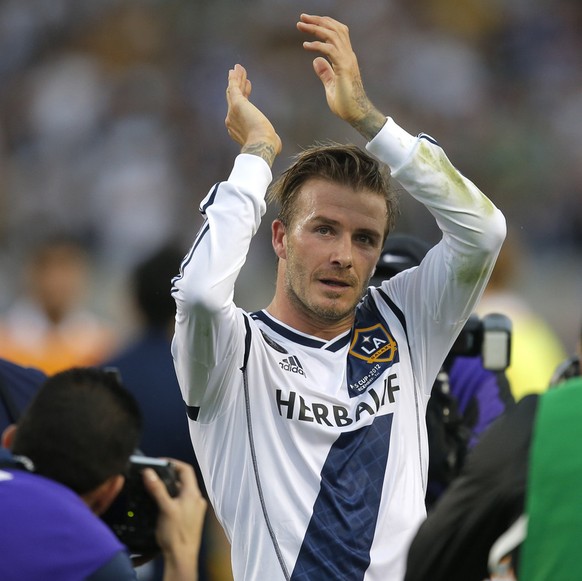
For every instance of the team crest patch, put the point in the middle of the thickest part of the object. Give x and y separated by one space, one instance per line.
373 344
372 350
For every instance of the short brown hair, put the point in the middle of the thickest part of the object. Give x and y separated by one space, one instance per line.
343 164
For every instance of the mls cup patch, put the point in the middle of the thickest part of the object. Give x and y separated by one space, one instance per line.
372 350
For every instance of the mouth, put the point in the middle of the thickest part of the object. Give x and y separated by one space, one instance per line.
334 283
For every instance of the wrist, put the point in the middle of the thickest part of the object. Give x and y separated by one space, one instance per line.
266 149
181 565
370 123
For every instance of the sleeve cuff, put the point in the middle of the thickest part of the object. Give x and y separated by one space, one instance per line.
393 145
251 171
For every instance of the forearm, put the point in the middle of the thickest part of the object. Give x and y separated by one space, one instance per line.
466 216
452 276
233 212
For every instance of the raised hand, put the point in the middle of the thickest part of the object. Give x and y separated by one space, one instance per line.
245 123
340 73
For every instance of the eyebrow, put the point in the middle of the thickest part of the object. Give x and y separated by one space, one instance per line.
325 220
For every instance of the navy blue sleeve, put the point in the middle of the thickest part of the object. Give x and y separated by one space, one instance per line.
19 384
118 568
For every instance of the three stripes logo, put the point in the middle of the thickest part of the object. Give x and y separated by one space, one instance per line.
292 364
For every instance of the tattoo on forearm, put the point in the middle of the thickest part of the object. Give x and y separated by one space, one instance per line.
372 120
262 149
370 126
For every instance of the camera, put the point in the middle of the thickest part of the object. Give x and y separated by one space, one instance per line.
489 337
133 514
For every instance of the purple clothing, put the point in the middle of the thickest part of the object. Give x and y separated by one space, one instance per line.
49 533
482 395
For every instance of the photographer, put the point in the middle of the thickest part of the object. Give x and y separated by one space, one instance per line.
514 510
69 454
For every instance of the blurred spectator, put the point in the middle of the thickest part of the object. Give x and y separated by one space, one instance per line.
145 362
514 511
49 326
17 387
147 370
536 350
108 112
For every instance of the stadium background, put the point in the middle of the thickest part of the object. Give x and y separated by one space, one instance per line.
112 122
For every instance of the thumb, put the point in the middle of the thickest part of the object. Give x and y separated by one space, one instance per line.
323 70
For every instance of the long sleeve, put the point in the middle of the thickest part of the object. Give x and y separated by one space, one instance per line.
453 275
206 323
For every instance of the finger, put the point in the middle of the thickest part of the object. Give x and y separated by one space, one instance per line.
323 27
156 487
331 43
314 19
238 84
232 86
323 34
323 70
247 89
185 472
186 477
242 74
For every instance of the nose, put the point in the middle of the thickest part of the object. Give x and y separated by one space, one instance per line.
342 252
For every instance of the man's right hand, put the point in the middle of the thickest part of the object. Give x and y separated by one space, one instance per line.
246 124
180 522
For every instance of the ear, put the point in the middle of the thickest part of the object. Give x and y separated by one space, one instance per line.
8 436
100 498
278 238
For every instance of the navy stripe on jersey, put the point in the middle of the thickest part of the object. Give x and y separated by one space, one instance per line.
338 344
199 236
248 337
335 346
210 201
399 314
428 138
188 257
287 333
339 537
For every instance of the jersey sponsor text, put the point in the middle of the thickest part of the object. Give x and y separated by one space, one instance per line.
293 406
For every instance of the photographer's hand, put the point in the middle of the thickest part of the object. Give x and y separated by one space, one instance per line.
180 522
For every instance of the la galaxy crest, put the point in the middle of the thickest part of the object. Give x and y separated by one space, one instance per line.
372 350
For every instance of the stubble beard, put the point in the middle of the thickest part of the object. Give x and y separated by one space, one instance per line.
331 314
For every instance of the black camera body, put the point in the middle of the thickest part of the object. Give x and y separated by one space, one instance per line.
134 513
489 337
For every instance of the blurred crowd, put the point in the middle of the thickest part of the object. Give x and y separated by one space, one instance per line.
109 111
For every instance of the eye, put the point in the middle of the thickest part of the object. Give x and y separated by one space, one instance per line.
324 230
365 239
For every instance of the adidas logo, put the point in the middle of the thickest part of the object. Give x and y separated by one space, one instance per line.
292 364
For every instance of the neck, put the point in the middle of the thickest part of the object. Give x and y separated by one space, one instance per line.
308 323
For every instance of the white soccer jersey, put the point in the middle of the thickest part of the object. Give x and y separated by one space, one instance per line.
315 453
